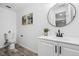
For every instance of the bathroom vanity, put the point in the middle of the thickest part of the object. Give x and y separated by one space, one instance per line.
60 15
58 46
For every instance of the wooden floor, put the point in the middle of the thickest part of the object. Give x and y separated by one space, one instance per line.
19 51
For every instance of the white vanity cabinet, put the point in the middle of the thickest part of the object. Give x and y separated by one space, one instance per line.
68 52
68 49
47 48
57 48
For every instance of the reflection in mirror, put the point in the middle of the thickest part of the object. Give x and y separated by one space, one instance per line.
61 14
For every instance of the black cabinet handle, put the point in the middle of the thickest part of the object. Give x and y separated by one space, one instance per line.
60 50
55 49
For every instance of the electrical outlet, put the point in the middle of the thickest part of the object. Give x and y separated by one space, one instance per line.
21 35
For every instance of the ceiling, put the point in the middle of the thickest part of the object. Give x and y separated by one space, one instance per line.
20 6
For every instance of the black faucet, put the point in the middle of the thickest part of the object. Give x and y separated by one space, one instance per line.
59 34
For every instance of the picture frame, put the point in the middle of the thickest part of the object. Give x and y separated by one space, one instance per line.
27 19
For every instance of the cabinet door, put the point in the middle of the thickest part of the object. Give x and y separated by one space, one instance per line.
46 49
69 52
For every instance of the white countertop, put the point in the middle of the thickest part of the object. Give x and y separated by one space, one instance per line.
71 40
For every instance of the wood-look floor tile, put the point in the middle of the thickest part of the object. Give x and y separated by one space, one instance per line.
19 51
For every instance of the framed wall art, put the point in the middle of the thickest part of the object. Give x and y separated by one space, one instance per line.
27 19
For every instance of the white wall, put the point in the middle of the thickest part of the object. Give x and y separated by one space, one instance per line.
31 32
7 22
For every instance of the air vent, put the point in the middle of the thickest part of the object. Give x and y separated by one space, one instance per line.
8 6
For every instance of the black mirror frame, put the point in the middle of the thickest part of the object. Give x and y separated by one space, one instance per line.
67 23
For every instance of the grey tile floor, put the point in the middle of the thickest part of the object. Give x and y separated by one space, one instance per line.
19 51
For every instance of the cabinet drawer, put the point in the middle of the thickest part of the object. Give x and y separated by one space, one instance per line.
68 45
48 41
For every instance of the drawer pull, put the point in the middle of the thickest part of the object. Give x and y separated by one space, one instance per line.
60 50
55 49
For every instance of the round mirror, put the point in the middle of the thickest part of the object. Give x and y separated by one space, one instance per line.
61 14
